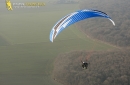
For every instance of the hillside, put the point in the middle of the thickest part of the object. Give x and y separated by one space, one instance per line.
102 29
106 68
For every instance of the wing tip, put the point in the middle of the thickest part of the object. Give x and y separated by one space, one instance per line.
51 41
112 21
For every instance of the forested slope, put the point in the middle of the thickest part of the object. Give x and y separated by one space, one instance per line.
106 68
102 29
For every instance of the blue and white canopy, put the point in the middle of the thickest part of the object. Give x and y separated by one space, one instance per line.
75 17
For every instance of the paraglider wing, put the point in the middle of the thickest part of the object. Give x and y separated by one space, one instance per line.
75 17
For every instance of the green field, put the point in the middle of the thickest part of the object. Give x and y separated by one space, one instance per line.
28 60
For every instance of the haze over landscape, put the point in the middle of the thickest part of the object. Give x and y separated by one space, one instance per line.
27 57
